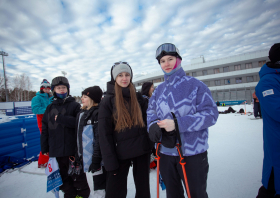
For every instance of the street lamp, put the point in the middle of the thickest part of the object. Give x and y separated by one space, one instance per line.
5 54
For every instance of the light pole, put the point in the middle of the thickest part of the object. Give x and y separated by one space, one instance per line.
6 91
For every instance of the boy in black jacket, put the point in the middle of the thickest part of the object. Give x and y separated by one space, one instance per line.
58 137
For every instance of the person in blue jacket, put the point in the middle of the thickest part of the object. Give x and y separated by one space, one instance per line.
195 110
268 93
39 104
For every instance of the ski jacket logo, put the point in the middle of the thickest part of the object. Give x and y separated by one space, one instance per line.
268 92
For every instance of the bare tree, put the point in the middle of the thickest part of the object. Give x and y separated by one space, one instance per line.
29 86
2 84
2 88
22 81
16 85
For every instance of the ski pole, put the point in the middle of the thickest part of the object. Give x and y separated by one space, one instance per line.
180 154
184 170
157 158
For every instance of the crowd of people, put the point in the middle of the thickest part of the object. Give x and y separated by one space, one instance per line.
107 136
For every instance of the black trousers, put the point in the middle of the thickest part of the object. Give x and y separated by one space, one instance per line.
270 191
257 109
196 167
99 181
116 185
72 185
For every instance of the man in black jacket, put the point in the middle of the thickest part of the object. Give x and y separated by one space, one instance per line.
58 136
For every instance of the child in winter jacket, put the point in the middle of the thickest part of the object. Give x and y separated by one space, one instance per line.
180 111
58 137
39 104
123 135
88 150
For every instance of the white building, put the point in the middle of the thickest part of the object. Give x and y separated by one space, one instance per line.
229 79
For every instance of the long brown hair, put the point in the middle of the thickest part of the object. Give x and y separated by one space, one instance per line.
127 114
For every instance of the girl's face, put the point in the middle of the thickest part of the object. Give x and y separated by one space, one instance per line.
151 90
86 100
46 90
60 89
123 79
167 63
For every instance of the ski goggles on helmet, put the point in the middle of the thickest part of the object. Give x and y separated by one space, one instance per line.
45 85
59 80
167 48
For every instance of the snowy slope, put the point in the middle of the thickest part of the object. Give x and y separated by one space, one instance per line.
235 162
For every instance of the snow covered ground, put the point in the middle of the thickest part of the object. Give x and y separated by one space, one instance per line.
235 163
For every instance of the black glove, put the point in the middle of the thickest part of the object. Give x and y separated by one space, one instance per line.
71 169
168 139
94 167
155 133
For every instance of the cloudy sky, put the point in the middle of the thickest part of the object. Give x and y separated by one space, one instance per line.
84 38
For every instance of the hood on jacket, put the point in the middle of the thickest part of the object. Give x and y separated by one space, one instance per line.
110 88
267 69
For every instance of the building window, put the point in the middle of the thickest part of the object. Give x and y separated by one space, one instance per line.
157 80
238 80
250 79
206 83
216 71
248 65
204 72
227 81
226 69
217 82
194 74
261 63
237 67
187 74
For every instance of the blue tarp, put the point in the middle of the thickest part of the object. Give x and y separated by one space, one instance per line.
19 141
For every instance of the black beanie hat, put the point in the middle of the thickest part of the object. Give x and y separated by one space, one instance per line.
274 53
146 88
95 93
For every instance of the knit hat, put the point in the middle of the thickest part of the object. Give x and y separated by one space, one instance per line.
274 53
45 84
95 93
146 88
119 68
